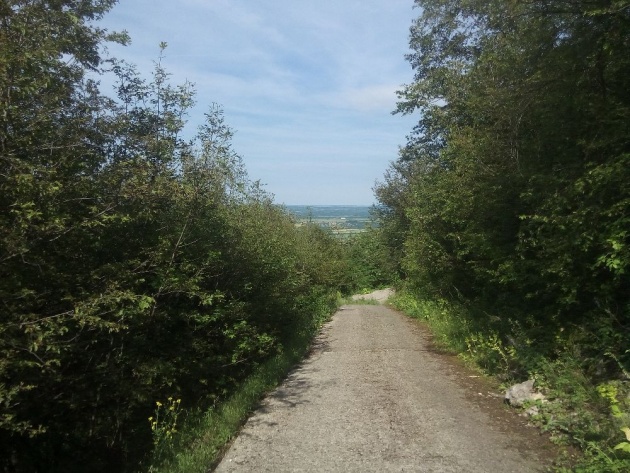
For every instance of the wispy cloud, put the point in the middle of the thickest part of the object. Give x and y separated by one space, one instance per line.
309 86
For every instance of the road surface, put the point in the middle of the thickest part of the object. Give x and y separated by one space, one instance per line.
373 396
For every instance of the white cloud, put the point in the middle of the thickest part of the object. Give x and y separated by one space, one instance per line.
300 80
369 98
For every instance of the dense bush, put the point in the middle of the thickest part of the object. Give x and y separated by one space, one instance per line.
370 264
134 265
511 198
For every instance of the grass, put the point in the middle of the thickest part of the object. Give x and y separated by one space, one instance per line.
449 330
203 437
201 441
581 413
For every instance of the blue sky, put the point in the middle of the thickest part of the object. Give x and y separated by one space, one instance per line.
308 85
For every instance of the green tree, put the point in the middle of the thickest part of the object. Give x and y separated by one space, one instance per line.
46 160
135 265
499 194
510 200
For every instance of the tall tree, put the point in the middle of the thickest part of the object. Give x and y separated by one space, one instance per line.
523 122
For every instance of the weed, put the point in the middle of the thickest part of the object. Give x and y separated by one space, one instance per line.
624 446
164 425
490 352
449 327
580 412
202 438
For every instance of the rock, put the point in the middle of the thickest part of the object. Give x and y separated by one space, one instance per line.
532 411
519 394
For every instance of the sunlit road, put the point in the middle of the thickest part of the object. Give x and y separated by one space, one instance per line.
372 397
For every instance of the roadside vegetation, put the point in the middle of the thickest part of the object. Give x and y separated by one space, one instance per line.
369 265
203 434
507 212
148 287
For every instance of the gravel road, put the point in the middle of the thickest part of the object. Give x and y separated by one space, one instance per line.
373 396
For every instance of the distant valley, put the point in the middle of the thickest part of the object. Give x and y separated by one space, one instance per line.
340 219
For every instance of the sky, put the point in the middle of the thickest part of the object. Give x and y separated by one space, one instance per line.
307 85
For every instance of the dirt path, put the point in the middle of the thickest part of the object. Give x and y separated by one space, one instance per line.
373 397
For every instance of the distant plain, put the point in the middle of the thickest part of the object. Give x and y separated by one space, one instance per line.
340 219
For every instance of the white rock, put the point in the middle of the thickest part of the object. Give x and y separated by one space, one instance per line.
519 394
